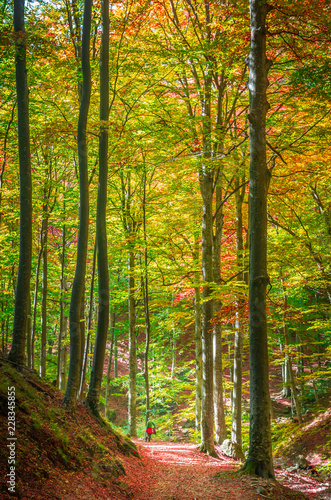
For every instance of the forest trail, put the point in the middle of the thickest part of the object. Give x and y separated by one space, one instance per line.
178 471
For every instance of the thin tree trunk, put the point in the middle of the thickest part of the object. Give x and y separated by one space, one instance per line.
17 352
89 328
132 346
79 280
198 346
219 414
62 349
290 367
286 392
35 301
173 350
43 337
111 350
259 461
207 410
236 435
115 358
148 332
28 334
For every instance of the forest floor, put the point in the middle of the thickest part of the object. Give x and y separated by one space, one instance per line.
65 456
178 471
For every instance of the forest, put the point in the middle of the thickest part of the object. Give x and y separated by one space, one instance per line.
165 217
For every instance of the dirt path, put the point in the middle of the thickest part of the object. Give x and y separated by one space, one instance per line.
174 471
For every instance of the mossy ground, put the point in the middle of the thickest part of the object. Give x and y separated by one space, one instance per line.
52 443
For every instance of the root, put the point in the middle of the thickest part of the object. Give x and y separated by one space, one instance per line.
258 468
211 452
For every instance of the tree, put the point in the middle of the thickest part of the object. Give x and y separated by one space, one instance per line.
93 394
259 460
17 352
78 286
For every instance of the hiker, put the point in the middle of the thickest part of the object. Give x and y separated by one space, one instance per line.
150 429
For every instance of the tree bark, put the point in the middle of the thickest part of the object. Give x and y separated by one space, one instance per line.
198 343
93 395
289 359
236 434
79 279
62 348
43 337
219 414
146 303
17 352
111 350
82 388
132 346
207 410
259 461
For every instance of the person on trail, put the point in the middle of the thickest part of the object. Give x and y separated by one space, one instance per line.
150 429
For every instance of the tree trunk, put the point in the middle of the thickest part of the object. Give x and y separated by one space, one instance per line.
82 388
198 345
219 414
35 301
43 337
115 358
28 334
173 350
79 280
62 349
93 395
132 346
290 367
259 461
111 350
207 413
286 392
236 435
147 328
17 352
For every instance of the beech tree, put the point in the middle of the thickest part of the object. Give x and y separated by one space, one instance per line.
17 352
93 394
78 286
259 460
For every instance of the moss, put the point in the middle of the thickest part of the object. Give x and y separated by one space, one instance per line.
254 467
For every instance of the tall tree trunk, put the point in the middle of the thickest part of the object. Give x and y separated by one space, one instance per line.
82 388
146 303
286 392
198 342
17 352
111 350
147 341
132 346
236 435
28 334
79 280
207 413
43 337
206 179
35 300
173 350
219 414
115 358
259 460
62 349
290 367
93 395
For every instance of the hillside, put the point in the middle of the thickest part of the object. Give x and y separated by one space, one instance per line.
59 455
